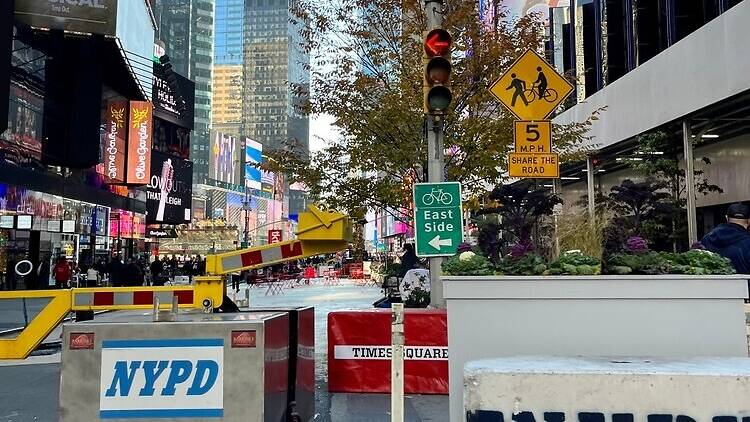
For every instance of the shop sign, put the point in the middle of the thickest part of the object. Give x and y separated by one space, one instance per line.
162 378
93 16
162 233
115 138
275 236
169 191
139 142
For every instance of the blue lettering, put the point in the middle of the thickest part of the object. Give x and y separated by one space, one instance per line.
202 368
123 377
179 373
151 373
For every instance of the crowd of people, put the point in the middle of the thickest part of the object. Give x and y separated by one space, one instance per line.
114 271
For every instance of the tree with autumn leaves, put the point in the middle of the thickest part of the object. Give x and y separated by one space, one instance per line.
367 71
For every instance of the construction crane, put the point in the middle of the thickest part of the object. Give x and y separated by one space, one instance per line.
320 231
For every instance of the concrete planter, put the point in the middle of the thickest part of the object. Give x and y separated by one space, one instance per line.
659 316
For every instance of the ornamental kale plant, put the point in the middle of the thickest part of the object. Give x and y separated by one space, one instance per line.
636 245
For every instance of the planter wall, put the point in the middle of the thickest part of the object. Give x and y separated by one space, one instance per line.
659 316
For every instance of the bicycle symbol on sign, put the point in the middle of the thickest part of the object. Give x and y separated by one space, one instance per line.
538 90
437 196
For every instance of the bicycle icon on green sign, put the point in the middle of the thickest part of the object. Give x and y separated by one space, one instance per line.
437 196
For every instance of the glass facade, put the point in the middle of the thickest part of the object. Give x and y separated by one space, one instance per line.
230 18
272 61
187 29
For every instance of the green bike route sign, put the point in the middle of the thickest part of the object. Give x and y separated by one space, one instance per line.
438 222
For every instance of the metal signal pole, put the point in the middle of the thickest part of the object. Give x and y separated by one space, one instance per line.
435 156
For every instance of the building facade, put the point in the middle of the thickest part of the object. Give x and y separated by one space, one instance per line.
659 66
187 29
60 196
227 97
229 32
273 63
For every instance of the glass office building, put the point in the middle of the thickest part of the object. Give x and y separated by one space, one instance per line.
229 32
187 29
273 60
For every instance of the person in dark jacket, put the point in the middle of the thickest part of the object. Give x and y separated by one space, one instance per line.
409 260
731 239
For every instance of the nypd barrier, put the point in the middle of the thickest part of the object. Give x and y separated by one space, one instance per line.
229 367
556 389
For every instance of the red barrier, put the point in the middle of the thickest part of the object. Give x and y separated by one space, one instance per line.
359 351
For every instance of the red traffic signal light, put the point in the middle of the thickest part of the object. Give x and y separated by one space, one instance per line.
437 72
437 43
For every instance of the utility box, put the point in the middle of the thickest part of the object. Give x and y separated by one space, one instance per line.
224 367
301 380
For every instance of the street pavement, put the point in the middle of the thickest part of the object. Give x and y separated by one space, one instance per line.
29 388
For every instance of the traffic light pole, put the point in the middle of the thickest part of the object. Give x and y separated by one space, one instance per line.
435 170
435 156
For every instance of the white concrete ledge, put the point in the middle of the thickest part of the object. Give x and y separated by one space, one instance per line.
596 287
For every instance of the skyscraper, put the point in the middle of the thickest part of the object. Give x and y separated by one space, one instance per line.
273 63
187 29
230 18
228 68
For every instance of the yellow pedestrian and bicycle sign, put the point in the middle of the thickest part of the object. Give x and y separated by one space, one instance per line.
531 89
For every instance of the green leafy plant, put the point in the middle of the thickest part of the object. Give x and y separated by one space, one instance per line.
574 263
699 262
651 263
475 265
529 264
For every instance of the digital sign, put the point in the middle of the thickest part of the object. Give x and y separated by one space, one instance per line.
139 142
175 107
169 191
115 140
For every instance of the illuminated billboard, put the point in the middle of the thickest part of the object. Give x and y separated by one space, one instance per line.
139 143
115 140
253 155
169 192
224 160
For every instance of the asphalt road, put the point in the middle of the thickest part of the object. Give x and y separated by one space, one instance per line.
15 312
28 393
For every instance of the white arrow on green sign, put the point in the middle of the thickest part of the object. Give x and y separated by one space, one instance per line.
439 223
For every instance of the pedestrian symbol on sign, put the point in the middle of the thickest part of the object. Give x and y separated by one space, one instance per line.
531 100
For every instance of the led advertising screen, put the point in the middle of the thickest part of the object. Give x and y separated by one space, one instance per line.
169 191
115 141
139 142
21 143
224 161
175 107
95 16
253 155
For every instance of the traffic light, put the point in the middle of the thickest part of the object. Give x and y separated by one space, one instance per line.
437 72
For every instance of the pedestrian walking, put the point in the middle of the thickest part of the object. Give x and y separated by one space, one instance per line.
10 274
731 239
43 272
157 267
61 272
92 277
